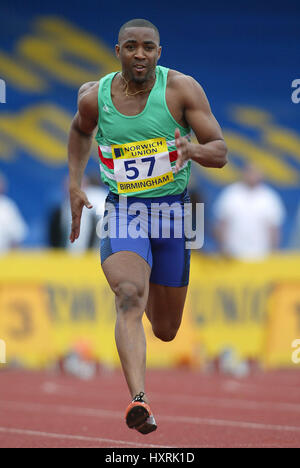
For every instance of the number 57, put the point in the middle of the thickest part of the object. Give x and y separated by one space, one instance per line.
135 170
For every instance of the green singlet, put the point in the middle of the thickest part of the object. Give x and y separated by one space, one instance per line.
138 153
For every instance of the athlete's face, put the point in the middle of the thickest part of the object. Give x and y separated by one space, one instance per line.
138 51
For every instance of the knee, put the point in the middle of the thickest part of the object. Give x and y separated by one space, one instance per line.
128 295
165 334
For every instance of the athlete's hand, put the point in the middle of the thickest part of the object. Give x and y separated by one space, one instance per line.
78 200
183 150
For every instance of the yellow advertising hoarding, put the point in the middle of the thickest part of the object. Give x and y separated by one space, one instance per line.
50 300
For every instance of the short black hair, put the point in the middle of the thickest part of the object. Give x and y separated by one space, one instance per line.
138 23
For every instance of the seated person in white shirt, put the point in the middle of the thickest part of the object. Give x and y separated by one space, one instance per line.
249 216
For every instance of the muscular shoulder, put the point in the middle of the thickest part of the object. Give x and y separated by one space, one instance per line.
181 81
88 98
186 87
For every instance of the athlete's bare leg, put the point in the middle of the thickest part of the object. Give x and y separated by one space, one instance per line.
164 310
128 276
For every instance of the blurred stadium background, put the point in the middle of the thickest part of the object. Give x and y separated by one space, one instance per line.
238 315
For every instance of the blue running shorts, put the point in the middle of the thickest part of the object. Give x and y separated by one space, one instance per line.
154 229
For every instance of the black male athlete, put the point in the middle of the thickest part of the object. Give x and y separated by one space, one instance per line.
144 116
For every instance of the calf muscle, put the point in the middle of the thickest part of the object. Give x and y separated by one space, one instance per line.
131 296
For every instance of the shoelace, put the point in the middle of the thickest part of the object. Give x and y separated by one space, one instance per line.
139 397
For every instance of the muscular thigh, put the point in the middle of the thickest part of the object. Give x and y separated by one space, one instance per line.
165 305
123 267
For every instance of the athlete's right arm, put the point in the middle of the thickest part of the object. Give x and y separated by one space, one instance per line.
79 148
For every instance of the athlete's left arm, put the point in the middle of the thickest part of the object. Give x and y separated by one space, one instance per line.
211 150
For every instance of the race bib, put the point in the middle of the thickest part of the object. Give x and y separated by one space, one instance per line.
142 165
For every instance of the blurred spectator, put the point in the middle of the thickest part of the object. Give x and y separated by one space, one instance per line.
61 219
13 229
295 237
249 215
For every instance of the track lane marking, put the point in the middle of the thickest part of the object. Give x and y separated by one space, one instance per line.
227 402
100 413
53 435
54 389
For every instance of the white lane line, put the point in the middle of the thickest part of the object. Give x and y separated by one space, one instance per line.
227 402
187 400
192 400
62 409
234 387
9 430
227 423
100 413
51 435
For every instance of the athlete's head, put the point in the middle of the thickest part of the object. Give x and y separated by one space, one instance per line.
138 49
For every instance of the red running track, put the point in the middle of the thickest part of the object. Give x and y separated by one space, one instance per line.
191 409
